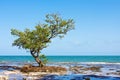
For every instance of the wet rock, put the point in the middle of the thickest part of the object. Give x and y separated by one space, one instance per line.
49 77
107 73
118 71
95 69
87 79
9 68
76 69
50 69
111 69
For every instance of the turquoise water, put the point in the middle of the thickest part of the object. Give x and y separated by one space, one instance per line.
115 59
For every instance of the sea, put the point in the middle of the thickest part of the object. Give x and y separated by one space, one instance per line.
22 60
107 59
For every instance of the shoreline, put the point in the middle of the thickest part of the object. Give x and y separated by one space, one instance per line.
90 69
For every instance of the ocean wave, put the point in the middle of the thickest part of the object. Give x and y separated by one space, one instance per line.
59 63
84 63
99 62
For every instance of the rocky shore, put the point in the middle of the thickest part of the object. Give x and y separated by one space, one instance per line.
29 72
62 71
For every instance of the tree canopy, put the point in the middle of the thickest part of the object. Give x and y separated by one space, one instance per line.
37 39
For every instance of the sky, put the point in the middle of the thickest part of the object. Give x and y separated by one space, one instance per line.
97 25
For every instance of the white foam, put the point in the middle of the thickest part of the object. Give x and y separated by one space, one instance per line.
85 63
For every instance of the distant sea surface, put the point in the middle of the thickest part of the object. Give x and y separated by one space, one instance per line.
111 59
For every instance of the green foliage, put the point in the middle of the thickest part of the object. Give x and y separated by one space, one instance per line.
43 58
32 40
58 26
38 39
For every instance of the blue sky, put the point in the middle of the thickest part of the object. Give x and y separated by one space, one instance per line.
97 25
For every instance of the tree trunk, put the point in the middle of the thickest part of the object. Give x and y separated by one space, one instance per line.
37 59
